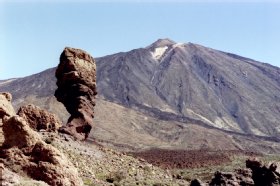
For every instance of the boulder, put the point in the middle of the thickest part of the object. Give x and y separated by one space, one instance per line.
239 177
277 164
25 153
6 108
263 175
9 178
256 174
52 166
39 119
76 82
17 133
197 182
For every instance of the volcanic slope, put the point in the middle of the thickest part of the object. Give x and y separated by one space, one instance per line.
223 90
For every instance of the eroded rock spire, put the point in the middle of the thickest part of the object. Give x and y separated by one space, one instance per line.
76 81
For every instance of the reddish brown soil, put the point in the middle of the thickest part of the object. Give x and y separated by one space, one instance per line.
186 158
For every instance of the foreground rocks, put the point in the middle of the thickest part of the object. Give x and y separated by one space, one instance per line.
76 81
39 119
6 108
263 175
9 178
239 177
25 153
101 166
17 133
255 174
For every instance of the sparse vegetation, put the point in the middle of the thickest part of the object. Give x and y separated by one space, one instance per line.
206 173
102 166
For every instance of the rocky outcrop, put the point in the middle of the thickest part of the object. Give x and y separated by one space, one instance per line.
23 151
6 108
197 182
9 178
76 81
239 177
17 133
39 119
256 174
263 175
278 166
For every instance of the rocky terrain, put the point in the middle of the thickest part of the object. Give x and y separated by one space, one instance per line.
29 149
23 152
256 174
31 157
181 159
45 157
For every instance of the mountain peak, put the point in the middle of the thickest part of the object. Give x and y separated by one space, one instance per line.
161 43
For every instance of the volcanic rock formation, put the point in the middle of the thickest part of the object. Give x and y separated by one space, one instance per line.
263 175
256 174
239 177
197 182
76 81
24 152
39 119
6 109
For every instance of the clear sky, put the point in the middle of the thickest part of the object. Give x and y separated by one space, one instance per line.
33 34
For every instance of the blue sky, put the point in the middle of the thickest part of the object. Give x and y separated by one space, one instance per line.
33 34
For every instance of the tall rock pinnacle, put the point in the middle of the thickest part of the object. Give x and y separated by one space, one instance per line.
76 81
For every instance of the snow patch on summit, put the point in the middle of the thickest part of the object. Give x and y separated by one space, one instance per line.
178 45
159 52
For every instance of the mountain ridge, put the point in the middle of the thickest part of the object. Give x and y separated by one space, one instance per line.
202 68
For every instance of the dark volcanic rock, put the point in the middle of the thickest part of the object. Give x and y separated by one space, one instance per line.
256 174
197 182
39 118
76 81
263 175
240 177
